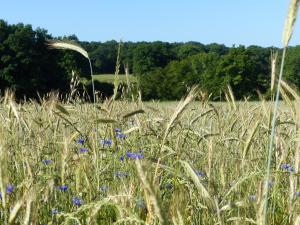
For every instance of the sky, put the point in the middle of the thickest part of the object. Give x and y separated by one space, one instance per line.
229 22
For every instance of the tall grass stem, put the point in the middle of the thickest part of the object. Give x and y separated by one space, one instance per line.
272 136
93 85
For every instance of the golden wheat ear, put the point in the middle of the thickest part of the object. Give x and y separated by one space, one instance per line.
290 21
57 44
70 45
273 69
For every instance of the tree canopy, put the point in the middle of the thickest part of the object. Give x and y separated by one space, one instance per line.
164 70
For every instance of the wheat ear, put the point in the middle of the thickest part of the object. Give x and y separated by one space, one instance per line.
273 69
290 22
287 34
69 45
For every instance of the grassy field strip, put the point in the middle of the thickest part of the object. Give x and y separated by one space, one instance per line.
109 78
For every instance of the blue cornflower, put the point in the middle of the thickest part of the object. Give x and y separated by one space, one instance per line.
83 150
252 197
104 188
133 155
80 141
117 130
122 157
121 136
0 195
106 142
10 188
287 167
47 161
77 201
63 187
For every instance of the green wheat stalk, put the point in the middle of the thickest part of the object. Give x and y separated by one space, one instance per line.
287 34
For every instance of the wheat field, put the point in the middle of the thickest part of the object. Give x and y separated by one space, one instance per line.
124 161
188 162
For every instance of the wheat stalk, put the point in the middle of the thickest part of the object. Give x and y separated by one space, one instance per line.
149 193
290 90
14 211
273 69
117 70
203 192
231 95
287 33
126 68
69 45
182 105
56 44
290 21
271 142
297 220
179 110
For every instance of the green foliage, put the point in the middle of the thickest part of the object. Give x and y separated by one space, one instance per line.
243 71
26 64
240 67
163 70
104 57
189 49
292 65
148 56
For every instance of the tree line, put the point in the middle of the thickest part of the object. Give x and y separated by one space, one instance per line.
164 70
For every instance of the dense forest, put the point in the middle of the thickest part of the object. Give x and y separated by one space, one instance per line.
163 70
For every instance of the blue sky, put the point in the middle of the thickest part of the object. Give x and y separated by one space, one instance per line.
246 22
